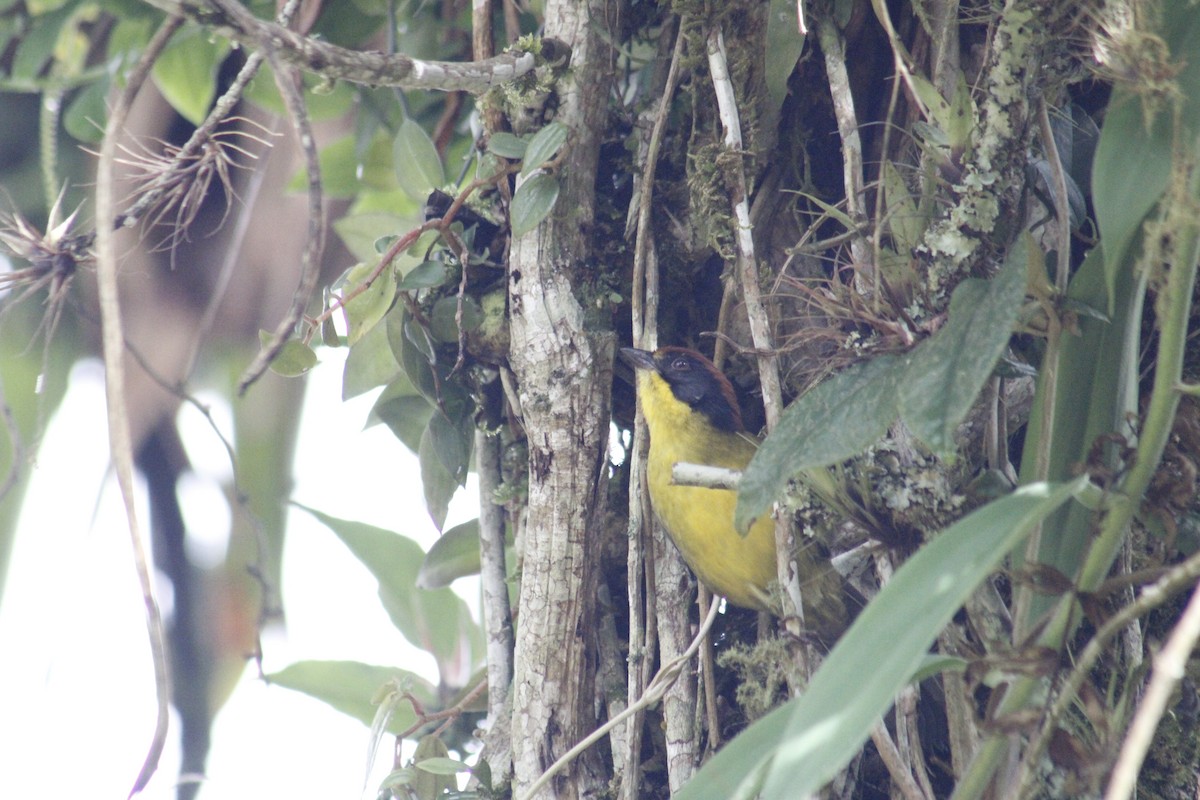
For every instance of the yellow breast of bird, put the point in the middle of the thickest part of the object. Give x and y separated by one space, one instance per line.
700 520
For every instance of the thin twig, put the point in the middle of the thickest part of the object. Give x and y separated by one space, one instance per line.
113 348
902 779
1168 670
1150 597
493 576
286 80
834 48
760 329
645 336
1062 206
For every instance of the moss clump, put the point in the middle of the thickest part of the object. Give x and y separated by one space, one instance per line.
762 677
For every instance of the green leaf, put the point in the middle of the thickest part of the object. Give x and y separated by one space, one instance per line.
543 146
931 98
37 45
436 480
349 686
532 202
837 419
960 120
437 621
369 363
418 165
454 555
294 359
507 145
832 211
452 440
186 72
430 782
406 415
414 351
784 45
936 664
442 766
365 310
799 746
947 371
443 324
904 220
1133 161
425 275
85 116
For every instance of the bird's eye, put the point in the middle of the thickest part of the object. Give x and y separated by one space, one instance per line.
681 364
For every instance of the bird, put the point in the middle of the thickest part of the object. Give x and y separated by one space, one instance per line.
693 416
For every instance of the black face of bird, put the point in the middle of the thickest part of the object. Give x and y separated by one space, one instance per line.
694 380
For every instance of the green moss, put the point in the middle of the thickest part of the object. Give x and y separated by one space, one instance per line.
762 677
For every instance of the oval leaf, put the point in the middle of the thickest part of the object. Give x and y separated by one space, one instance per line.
369 363
349 686
186 72
507 145
947 371
532 201
836 420
425 275
418 166
442 766
430 782
293 360
364 310
453 556
799 746
437 621
438 483
543 146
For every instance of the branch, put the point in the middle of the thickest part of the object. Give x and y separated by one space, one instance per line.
233 20
1168 669
314 243
113 347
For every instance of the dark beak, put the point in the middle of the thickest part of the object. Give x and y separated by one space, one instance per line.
638 359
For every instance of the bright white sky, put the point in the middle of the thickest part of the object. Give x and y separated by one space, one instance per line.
76 687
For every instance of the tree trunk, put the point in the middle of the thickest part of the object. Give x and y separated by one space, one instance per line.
562 357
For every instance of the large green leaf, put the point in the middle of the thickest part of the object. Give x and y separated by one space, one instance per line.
1095 390
543 146
349 686
1134 155
369 363
784 45
36 46
439 485
293 359
837 419
418 165
405 412
454 555
366 309
532 202
434 620
946 372
795 749
186 72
